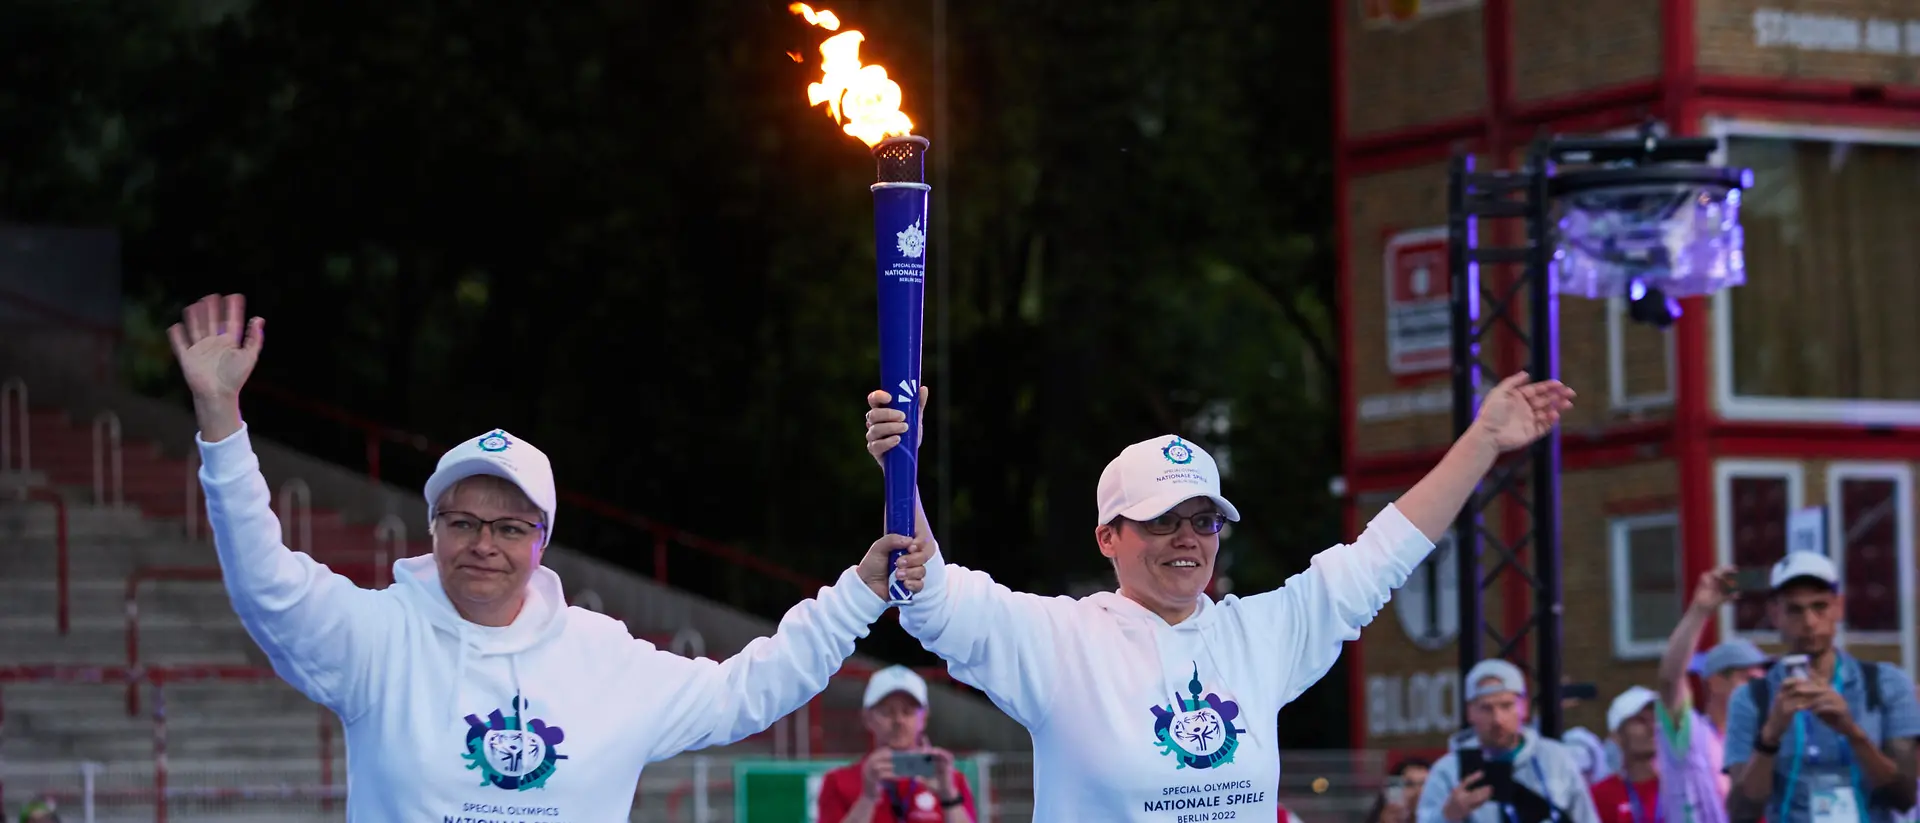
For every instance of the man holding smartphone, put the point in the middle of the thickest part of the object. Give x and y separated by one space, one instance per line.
1823 737
1499 770
902 780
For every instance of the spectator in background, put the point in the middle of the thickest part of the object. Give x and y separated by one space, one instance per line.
1539 779
1632 795
869 791
1591 755
1823 737
1692 735
1396 801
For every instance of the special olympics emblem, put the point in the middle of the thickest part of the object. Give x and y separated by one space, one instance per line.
511 754
1197 731
911 240
495 442
1177 452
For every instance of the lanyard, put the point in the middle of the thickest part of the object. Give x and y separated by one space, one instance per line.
1639 811
1800 745
1546 792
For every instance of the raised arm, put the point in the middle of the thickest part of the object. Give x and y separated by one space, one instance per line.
1346 586
716 703
319 630
1002 642
1708 595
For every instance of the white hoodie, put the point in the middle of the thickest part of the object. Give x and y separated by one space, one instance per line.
548 719
1136 720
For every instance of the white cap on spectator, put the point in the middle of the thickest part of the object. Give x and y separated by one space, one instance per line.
894 679
1804 565
1629 703
1509 676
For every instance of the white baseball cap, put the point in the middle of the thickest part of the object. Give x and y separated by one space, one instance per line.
894 679
501 455
1629 703
1506 676
1151 477
1801 564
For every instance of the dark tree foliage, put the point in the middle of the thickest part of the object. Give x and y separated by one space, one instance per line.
616 229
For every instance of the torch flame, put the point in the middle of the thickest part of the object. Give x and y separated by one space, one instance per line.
859 97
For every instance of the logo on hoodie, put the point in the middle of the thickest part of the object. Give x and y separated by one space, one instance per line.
1197 731
512 754
1177 452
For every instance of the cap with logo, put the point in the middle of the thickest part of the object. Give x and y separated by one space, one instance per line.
894 679
501 455
1629 703
1151 477
1508 677
1804 565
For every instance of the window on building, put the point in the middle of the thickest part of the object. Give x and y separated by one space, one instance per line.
1648 587
1755 502
1872 507
1821 328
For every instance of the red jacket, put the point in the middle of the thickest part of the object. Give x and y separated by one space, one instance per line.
841 788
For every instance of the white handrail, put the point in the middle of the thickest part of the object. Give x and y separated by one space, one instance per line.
389 544
192 515
15 388
106 446
291 492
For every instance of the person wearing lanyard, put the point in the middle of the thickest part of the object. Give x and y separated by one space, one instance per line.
1824 737
873 790
1512 773
1632 795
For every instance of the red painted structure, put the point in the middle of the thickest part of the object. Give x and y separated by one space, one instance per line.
1683 96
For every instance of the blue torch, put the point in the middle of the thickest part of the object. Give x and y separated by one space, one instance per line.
900 262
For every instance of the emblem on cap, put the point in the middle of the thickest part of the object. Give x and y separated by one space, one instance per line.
496 441
1177 452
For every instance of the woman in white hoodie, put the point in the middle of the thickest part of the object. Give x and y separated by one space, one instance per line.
1153 702
469 684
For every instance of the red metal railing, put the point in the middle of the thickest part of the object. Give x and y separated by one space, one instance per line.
61 552
157 677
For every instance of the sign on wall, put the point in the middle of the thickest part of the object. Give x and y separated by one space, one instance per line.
1809 31
1429 604
1419 703
1419 291
1382 13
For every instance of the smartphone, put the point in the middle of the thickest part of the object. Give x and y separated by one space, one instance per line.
911 764
1579 691
1752 581
1796 667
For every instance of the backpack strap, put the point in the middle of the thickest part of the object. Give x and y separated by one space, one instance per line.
1762 693
1870 678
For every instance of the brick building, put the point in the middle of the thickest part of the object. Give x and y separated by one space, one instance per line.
1692 446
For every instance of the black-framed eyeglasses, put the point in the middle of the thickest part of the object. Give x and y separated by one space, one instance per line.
466 526
1203 523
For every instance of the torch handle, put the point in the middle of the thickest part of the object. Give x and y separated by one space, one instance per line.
902 468
899 222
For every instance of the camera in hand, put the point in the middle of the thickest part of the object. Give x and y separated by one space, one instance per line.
1796 667
913 764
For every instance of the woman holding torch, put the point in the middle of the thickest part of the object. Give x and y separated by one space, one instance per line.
470 682
1154 702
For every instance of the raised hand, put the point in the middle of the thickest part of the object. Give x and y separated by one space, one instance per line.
217 346
885 424
912 568
1714 589
1517 413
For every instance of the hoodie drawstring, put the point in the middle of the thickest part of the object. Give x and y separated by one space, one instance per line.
459 671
